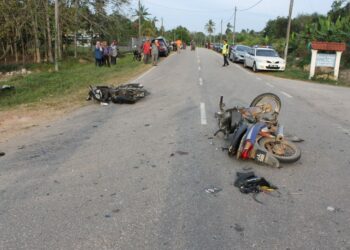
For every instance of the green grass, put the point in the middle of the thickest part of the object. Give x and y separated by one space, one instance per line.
71 81
299 74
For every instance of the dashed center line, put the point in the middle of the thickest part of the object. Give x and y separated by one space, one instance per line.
269 84
286 94
200 81
203 114
199 68
258 78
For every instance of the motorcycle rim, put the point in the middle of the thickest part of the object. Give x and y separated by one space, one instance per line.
284 151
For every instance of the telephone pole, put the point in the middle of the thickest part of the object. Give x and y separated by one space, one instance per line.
56 35
221 32
139 20
234 26
288 30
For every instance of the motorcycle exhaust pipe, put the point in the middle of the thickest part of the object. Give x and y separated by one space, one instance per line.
280 135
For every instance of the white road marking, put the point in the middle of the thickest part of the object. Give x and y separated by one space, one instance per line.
269 84
200 81
203 114
143 75
346 131
199 61
286 94
258 78
199 68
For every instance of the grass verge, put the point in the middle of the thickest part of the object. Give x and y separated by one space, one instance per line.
299 74
44 87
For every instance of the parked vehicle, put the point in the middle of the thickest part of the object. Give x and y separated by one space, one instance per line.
164 48
237 53
264 59
217 47
255 133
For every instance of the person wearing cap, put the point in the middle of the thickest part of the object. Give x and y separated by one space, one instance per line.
225 53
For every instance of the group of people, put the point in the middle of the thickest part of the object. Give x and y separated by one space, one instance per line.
150 50
105 54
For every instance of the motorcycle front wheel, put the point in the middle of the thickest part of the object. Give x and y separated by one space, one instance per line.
284 151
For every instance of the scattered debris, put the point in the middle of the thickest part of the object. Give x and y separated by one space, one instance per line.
147 125
172 154
239 228
250 183
213 190
21 147
6 87
104 104
2 154
330 209
295 139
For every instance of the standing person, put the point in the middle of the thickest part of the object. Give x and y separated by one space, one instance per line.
155 53
98 54
114 52
178 45
225 53
106 54
146 51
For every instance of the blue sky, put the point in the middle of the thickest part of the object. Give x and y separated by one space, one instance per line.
194 14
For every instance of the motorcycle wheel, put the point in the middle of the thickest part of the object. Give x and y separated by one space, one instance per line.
284 151
269 98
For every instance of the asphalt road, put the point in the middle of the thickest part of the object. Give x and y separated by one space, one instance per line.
134 176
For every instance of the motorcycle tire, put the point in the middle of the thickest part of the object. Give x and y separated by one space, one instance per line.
270 98
292 152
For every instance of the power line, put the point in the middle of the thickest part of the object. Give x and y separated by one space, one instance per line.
251 6
189 10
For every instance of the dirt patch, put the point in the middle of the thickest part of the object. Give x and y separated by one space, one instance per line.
18 121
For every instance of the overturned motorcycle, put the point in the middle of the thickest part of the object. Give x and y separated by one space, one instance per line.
255 133
126 93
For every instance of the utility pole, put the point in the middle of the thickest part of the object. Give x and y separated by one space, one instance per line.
56 35
234 26
221 32
288 30
139 20
162 27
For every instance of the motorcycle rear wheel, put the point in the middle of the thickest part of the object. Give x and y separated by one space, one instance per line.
284 151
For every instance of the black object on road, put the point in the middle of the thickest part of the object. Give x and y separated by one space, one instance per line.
2 154
250 183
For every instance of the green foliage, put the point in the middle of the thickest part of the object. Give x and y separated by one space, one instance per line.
44 84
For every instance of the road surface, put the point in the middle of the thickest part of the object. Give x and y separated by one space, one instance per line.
134 176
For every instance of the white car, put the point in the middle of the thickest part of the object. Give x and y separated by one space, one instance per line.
264 59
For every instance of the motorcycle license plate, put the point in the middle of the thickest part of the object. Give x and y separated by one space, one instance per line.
260 156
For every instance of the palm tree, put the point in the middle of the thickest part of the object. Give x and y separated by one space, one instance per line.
210 27
142 14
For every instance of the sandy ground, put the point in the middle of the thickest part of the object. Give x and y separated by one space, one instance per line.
20 120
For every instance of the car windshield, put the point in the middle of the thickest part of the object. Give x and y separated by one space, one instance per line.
242 48
266 52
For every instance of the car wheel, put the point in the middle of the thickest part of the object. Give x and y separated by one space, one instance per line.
254 67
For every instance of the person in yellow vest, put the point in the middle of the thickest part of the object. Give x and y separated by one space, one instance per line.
225 53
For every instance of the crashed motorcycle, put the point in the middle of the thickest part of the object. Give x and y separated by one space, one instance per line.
255 133
126 93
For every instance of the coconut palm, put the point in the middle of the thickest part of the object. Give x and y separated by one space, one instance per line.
210 27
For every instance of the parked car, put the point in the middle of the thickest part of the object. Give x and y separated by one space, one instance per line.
164 48
237 53
264 59
217 47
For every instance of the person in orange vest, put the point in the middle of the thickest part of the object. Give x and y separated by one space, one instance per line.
225 53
